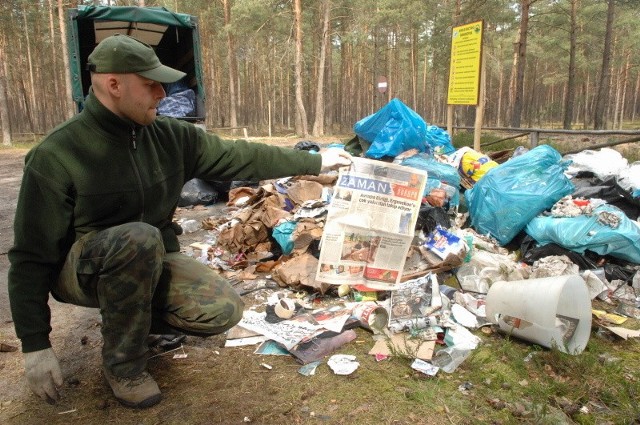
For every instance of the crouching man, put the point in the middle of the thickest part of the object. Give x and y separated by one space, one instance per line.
93 222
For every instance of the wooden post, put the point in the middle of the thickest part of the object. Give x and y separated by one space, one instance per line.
533 139
269 119
477 130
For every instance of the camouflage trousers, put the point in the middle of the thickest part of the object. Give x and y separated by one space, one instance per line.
141 289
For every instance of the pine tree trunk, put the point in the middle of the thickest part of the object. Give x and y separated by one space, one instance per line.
4 105
599 116
571 81
231 63
69 108
522 56
318 124
301 114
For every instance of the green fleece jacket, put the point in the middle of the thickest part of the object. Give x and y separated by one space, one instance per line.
98 170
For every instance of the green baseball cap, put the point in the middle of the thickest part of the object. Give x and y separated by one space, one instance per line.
122 54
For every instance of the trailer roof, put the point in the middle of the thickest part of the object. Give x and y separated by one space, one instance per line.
147 24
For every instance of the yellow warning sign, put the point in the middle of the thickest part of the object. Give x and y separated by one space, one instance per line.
464 70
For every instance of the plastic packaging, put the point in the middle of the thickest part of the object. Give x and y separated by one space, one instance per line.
554 312
475 164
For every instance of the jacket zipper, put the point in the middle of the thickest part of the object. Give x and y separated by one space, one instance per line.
137 172
133 138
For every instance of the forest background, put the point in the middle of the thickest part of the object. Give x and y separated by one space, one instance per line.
311 67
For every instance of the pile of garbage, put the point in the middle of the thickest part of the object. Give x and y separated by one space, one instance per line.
523 245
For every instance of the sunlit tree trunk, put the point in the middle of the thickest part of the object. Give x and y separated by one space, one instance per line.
623 90
68 103
602 96
634 104
521 51
231 63
4 106
318 124
571 81
301 123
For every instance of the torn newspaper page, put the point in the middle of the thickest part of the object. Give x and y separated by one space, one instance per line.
288 332
370 224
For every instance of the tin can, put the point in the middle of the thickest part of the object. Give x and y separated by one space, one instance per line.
371 315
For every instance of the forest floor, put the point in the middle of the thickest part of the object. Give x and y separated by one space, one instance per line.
218 385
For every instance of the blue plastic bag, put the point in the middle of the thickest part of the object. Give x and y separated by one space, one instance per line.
179 102
282 234
508 196
439 175
439 140
587 232
395 128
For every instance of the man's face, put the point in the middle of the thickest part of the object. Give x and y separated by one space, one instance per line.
139 98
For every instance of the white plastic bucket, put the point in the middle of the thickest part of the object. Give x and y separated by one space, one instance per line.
554 312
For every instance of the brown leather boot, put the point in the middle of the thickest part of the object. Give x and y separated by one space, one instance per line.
138 392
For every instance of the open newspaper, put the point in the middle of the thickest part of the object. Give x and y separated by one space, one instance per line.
370 224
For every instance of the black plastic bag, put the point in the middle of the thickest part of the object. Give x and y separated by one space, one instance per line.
197 192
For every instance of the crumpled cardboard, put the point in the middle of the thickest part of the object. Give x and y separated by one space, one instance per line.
304 190
299 270
240 193
325 179
306 232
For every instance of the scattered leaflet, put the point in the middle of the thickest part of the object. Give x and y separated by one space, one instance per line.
370 224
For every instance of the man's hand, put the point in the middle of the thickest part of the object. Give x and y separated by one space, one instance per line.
43 374
333 158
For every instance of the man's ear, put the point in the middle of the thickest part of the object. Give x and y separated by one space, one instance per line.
113 84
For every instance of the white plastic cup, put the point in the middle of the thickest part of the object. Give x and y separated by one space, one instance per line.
554 312
448 359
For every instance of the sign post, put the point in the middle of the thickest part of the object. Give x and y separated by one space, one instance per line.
465 72
382 89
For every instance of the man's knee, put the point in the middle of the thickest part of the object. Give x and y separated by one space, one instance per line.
194 298
206 318
144 237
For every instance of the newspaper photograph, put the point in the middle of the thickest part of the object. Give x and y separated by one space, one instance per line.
370 224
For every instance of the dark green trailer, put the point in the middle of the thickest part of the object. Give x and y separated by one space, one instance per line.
174 36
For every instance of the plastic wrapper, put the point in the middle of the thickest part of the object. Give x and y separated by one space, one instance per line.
504 201
395 128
